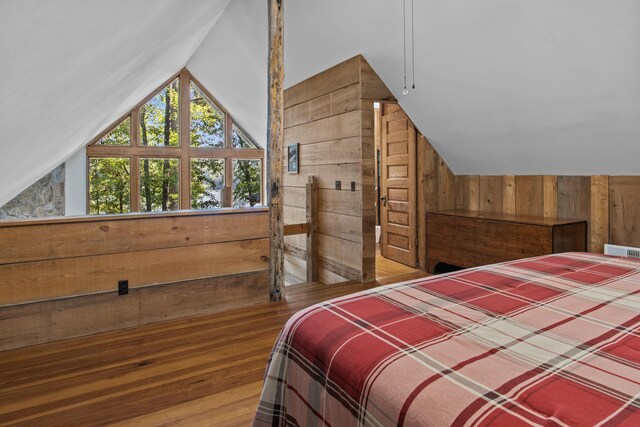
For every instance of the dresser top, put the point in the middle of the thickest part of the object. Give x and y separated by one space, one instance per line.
521 219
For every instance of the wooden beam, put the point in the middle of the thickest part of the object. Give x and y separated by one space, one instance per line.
185 139
294 229
134 167
174 152
312 236
274 151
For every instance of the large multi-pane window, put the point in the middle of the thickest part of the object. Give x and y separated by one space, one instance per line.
172 152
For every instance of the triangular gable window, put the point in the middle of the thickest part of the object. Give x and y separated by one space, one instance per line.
207 120
241 140
148 162
159 118
119 135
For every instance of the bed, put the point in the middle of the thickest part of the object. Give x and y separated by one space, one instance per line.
551 340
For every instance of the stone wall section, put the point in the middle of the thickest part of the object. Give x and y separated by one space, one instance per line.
45 198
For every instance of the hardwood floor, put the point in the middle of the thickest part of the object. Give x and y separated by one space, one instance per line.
199 371
388 268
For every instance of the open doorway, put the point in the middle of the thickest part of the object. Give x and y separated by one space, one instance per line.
396 191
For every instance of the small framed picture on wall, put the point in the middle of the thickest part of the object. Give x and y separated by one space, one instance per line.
292 158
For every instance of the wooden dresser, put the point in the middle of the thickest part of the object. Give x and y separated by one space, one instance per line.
470 239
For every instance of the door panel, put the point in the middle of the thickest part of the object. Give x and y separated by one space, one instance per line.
398 207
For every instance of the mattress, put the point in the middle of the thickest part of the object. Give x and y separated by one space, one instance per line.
551 340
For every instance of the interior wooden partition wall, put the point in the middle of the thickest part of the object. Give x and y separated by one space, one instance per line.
59 278
330 116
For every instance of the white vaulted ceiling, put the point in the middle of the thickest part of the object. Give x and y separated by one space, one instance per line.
502 86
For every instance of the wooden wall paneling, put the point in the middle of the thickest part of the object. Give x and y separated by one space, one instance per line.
491 192
599 212
509 195
339 151
77 237
42 280
574 199
372 86
625 210
341 202
332 128
446 186
430 160
421 177
344 255
333 103
336 77
47 321
294 196
529 195
550 196
468 192
294 215
295 268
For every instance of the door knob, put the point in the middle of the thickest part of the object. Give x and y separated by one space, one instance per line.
383 199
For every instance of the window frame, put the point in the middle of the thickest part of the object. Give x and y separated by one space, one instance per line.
184 152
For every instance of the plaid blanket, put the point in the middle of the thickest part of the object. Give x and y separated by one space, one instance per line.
553 340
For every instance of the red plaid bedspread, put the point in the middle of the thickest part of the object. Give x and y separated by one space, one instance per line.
553 340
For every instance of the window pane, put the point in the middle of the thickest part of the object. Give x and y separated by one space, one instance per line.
109 190
207 121
207 181
241 140
159 185
120 135
159 118
247 180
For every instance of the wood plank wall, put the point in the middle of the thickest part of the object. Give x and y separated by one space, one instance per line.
610 204
331 117
59 279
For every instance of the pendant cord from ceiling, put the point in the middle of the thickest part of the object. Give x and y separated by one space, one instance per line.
405 91
404 44
413 51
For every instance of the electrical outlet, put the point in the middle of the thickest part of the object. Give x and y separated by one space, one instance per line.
338 185
123 287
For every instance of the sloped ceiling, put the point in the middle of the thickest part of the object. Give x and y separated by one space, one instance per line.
69 68
502 86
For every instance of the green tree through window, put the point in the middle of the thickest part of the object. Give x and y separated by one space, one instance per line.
207 180
175 151
246 183
109 186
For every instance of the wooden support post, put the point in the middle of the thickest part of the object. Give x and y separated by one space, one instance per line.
312 235
185 139
599 213
274 152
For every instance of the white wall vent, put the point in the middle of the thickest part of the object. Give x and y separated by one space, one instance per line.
624 251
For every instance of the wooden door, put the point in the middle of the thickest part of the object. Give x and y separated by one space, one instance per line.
398 209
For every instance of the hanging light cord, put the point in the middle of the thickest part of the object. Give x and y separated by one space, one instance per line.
404 44
413 51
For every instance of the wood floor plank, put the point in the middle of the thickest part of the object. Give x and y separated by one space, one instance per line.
204 370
